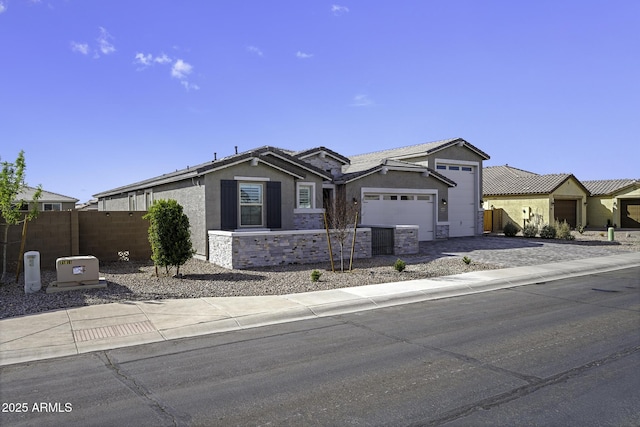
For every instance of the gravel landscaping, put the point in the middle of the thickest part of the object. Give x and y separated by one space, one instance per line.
135 281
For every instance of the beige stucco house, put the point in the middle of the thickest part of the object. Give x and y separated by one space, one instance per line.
613 202
525 196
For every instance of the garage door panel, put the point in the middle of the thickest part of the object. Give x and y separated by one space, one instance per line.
462 199
565 210
630 213
400 209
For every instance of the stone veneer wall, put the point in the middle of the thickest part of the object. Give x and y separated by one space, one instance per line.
480 222
405 240
442 231
238 250
308 221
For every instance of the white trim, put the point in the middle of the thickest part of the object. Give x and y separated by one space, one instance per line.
135 202
148 202
312 196
397 190
251 178
307 211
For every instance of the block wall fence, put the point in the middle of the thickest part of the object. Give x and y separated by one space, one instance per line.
69 233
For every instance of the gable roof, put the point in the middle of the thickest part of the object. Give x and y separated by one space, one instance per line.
272 156
46 196
606 187
416 150
506 180
322 151
362 169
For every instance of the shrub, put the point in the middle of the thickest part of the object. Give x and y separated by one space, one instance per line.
580 228
466 260
548 232
169 234
530 230
399 265
315 275
510 229
563 231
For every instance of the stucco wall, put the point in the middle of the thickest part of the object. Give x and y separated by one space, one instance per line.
572 191
538 206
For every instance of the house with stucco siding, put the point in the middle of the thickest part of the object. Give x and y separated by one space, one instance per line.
613 202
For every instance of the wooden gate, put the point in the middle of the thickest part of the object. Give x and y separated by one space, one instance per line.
493 220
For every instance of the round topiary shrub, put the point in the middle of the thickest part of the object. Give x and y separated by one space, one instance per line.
400 265
510 229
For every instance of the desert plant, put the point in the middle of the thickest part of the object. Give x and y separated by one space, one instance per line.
563 231
548 232
530 230
580 228
510 229
399 265
169 235
12 184
466 260
315 275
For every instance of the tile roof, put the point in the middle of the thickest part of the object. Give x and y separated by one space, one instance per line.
506 180
605 187
415 150
359 170
305 153
46 196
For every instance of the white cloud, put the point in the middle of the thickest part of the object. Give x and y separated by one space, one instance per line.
189 86
303 55
338 10
181 69
142 59
82 48
162 59
3 7
255 50
104 43
362 100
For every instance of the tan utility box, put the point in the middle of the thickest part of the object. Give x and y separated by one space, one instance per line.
77 272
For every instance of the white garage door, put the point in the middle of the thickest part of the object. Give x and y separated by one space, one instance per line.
462 199
400 209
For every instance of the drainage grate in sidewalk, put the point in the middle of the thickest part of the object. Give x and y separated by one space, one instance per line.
113 331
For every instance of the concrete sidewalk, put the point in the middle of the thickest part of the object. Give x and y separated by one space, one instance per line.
102 327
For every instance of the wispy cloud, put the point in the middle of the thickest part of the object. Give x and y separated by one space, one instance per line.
181 71
255 50
148 60
3 7
162 59
82 48
104 42
303 55
338 10
362 100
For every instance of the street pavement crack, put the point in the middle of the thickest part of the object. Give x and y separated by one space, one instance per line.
164 411
525 390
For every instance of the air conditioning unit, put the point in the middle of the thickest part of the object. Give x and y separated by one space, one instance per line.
77 272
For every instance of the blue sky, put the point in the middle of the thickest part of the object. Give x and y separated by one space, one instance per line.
103 93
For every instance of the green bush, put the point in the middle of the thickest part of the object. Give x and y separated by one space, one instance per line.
563 231
548 232
169 235
530 230
510 229
399 265
315 275
466 260
580 228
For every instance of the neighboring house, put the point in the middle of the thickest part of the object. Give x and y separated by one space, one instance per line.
48 201
242 206
613 202
528 197
91 205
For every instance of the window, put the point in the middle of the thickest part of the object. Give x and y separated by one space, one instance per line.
250 204
148 199
441 167
386 197
371 197
467 169
454 168
132 201
52 206
306 195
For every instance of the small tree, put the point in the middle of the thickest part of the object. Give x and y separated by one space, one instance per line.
342 223
11 185
169 235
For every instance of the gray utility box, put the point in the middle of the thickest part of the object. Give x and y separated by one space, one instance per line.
77 272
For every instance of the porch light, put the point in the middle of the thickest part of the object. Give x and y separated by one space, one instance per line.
444 201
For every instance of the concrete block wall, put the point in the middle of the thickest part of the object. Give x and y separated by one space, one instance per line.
240 250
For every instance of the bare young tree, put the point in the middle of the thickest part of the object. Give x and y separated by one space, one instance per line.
342 221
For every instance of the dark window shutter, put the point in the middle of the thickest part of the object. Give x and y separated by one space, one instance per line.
228 204
274 204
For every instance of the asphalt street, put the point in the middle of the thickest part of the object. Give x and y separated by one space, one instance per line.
560 353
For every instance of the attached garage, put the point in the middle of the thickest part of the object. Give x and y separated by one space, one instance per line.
400 208
462 201
630 213
566 210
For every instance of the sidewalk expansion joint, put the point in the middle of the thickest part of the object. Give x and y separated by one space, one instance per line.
113 331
